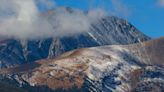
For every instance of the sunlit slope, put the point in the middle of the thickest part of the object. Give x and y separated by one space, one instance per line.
137 67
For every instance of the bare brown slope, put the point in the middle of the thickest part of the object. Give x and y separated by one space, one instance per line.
155 50
151 52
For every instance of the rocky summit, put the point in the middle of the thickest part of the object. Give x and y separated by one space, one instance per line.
105 31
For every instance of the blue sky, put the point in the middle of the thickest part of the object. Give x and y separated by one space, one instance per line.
146 15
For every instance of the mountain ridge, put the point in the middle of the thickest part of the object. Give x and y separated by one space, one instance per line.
119 68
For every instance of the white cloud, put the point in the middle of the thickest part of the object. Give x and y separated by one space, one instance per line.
65 22
22 19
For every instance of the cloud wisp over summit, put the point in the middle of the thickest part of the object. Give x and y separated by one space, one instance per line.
22 19
120 8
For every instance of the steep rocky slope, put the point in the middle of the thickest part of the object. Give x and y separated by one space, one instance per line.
116 68
105 31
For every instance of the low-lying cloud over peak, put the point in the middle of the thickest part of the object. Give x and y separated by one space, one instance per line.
22 19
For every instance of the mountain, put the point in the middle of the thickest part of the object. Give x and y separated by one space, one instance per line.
112 68
105 31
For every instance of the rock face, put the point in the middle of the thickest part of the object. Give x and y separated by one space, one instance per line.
106 31
115 68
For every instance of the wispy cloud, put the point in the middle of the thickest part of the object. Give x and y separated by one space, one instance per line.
22 19
47 4
113 7
160 3
120 8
